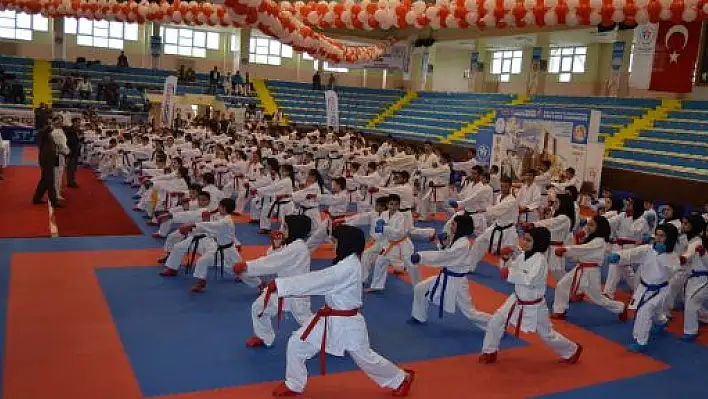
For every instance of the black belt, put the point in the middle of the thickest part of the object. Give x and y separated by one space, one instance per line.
405 210
276 206
220 251
499 229
304 209
192 252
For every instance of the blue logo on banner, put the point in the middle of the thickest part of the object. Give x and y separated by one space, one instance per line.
485 139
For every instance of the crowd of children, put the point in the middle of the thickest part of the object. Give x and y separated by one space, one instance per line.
191 182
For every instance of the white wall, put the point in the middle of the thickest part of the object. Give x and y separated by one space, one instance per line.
448 68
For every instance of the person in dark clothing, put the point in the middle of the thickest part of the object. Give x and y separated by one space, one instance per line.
73 141
317 81
41 116
48 159
122 60
214 79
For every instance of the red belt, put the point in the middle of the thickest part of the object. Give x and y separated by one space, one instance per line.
557 243
266 299
624 241
521 312
577 275
325 312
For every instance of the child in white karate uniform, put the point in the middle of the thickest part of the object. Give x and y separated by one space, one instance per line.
292 260
697 281
450 289
655 265
307 198
339 326
375 243
179 218
526 307
278 201
336 203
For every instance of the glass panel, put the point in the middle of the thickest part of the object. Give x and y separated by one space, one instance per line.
564 77
497 54
212 40
186 33
496 66
308 57
505 77
185 41
82 40
567 64
261 59
24 20
274 47
7 23
516 65
7 33
199 39
554 65
130 32
7 14
70 25
100 32
252 45
555 51
187 51
518 54
286 51
579 64
581 50
100 24
567 51
198 52
508 54
506 65
171 35
100 41
170 49
262 50
252 58
85 26
273 60
261 42
23 34
115 43
116 30
39 23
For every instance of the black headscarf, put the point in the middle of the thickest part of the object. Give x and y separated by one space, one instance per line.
350 240
465 227
602 230
671 236
676 212
298 227
541 240
697 226
566 207
637 207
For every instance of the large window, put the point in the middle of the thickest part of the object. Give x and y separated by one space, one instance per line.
264 50
566 61
19 26
189 42
505 63
101 34
327 67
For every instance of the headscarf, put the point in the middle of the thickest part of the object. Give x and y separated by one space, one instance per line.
676 212
298 227
566 207
671 236
465 227
697 226
602 230
541 240
350 240
637 207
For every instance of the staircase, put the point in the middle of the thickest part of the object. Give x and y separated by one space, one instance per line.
644 122
395 107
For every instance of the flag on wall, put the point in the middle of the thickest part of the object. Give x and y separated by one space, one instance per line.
332 107
665 56
168 102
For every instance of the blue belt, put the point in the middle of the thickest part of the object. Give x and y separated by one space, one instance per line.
702 273
652 290
444 273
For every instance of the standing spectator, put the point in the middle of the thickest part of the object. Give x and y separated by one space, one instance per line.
41 117
237 83
73 141
68 86
247 85
214 79
332 81
111 93
48 160
191 76
181 74
122 60
226 83
317 81
84 88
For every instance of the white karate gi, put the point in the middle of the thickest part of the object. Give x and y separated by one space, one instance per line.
337 207
396 249
624 228
696 286
178 219
530 198
501 234
653 274
434 190
529 279
309 207
474 199
559 226
291 260
223 233
281 208
585 277
341 286
450 286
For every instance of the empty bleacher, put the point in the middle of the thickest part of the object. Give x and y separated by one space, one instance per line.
357 105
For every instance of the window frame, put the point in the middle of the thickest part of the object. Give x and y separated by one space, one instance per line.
21 25
500 58
567 61
265 50
110 35
186 41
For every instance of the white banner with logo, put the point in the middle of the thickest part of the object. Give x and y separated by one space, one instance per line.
398 57
168 102
332 106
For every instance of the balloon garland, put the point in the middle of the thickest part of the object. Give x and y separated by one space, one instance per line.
297 23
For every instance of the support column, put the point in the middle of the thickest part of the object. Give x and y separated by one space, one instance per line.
241 55
155 46
536 76
425 62
59 46
363 77
478 59
384 76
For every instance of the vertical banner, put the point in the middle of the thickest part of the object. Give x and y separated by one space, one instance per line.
424 68
526 136
535 74
617 59
332 106
483 145
168 102
667 54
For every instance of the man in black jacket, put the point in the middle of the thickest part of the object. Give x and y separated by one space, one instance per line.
48 159
41 116
73 141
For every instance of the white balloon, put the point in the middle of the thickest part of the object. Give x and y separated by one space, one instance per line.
431 12
380 16
471 18
419 7
530 19
665 3
312 17
642 16
451 22
595 18
550 18
489 20
618 16
346 17
571 19
595 4
665 14
329 17
689 15
509 4
641 3
550 3
410 17
142 10
435 23
573 4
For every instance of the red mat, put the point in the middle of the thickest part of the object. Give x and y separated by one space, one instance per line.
91 210
19 218
30 155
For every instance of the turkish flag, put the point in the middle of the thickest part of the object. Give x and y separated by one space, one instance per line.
675 56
